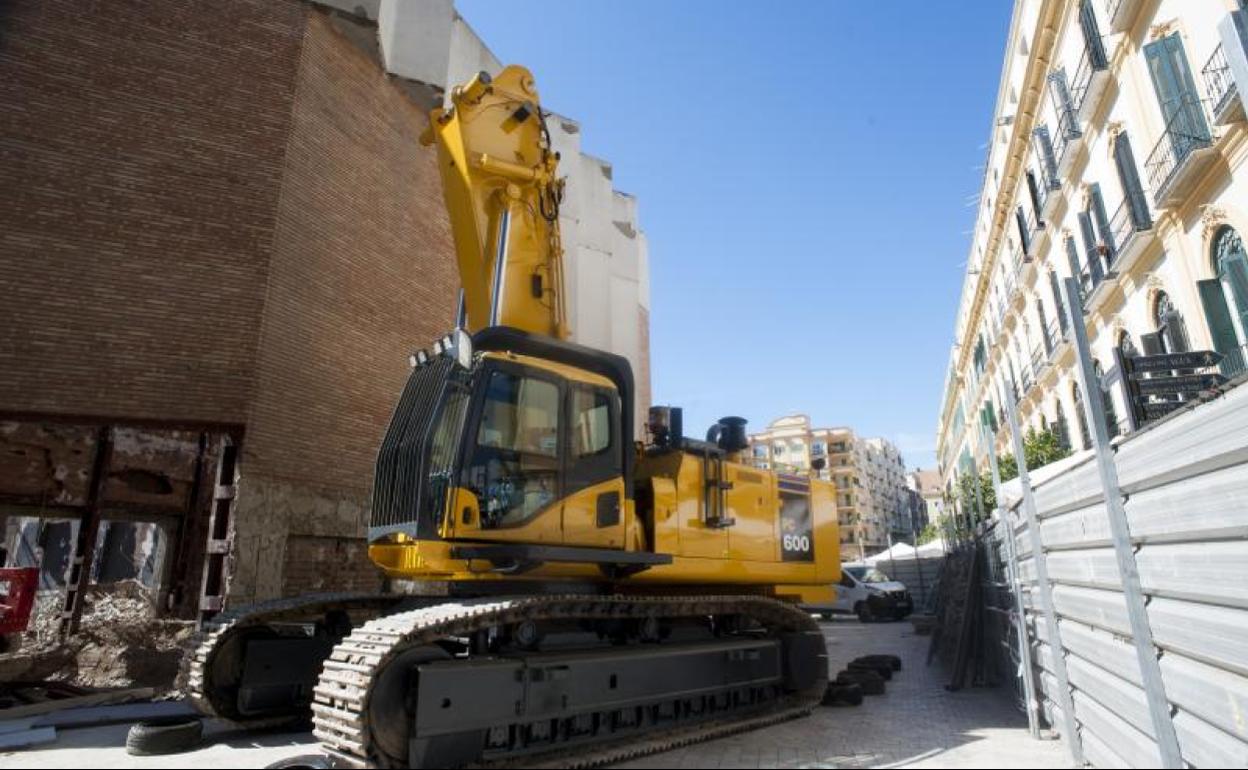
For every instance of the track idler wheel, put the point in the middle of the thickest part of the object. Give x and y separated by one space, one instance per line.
391 708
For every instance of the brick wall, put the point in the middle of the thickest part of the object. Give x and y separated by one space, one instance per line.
362 269
320 564
140 154
362 273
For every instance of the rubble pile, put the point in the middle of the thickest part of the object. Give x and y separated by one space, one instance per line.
120 642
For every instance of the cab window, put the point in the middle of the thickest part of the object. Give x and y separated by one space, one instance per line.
594 438
514 470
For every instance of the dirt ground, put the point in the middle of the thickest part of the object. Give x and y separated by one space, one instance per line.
121 643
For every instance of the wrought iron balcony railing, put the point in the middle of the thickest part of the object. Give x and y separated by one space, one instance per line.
1219 82
1091 63
1187 131
1131 218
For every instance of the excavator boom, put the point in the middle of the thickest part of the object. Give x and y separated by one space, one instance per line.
502 195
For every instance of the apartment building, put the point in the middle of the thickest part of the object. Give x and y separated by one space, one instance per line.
868 473
1117 158
927 485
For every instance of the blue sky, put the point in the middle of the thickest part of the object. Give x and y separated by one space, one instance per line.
803 171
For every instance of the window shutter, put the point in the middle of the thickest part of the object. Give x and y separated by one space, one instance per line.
1021 220
1089 248
1044 327
1061 96
1047 158
1152 344
1057 299
1235 269
1176 330
1218 316
1092 35
1034 190
1102 223
1132 189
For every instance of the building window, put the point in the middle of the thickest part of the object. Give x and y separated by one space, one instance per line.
1085 436
1107 400
1171 334
1226 299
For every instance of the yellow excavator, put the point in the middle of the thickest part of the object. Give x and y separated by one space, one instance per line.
561 593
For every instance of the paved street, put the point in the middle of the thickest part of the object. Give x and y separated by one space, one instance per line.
915 724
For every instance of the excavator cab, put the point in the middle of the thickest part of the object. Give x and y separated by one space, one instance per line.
501 446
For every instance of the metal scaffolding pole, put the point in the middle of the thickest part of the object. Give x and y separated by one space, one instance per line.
1137 612
1069 731
1020 617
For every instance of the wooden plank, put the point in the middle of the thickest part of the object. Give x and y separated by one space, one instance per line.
78 701
115 714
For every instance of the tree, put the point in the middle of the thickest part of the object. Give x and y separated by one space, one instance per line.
1039 447
927 535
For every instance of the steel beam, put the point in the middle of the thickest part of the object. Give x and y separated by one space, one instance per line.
1137 608
1070 731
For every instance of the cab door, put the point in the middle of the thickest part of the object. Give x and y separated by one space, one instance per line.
593 502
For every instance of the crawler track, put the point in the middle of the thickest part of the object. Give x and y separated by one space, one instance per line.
342 696
198 673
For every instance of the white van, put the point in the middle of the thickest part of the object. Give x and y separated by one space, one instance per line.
868 593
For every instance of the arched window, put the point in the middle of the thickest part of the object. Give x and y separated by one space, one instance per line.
1171 330
1126 345
1226 299
1085 436
1061 427
1107 400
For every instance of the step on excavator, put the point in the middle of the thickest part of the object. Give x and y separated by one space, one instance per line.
560 593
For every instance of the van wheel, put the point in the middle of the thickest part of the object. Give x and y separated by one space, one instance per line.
863 612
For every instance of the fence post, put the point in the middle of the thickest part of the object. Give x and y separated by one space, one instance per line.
1020 612
1128 571
1065 700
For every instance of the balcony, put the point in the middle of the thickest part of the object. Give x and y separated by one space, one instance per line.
1094 281
1046 160
1121 13
1068 139
1130 229
1224 101
1182 153
1091 77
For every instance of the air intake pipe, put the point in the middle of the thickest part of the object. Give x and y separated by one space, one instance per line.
729 435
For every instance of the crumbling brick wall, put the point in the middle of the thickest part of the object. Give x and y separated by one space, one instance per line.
219 213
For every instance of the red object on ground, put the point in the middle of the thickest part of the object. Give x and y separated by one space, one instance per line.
17 597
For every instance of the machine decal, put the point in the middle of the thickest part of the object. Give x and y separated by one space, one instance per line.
797 537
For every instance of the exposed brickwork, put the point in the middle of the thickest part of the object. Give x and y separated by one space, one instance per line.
361 271
233 222
140 153
315 564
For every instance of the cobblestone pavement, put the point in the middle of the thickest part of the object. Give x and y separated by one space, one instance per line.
916 723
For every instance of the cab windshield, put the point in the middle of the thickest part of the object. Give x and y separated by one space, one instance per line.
868 574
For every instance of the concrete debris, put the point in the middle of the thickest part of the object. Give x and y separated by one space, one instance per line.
121 643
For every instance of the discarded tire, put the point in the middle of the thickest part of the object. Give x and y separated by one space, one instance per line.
164 736
884 670
892 661
839 694
870 682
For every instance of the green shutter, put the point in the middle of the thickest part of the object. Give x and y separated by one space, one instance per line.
1102 222
1218 316
1235 271
1132 189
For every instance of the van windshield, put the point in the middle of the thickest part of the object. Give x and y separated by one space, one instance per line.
868 574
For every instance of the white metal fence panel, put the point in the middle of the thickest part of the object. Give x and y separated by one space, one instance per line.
1186 486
